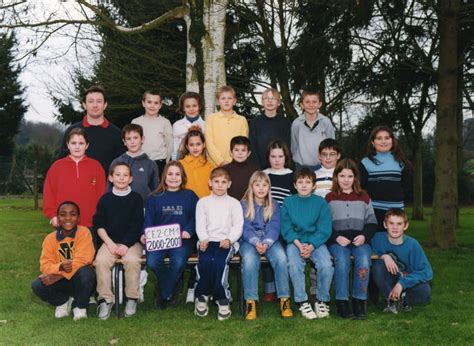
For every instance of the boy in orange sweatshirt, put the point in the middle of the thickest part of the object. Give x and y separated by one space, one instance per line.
67 278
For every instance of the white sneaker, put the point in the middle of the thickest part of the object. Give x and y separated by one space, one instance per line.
104 310
321 309
130 307
201 307
190 295
79 313
64 309
223 311
307 311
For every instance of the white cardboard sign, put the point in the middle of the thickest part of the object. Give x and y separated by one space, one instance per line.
162 237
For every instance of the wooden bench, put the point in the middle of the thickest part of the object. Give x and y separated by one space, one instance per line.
192 261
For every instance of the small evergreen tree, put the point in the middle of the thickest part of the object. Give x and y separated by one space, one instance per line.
12 107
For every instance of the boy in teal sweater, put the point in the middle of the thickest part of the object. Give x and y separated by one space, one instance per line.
306 226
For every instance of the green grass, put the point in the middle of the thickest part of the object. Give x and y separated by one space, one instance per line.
24 319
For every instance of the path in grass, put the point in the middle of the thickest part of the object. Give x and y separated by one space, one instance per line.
24 319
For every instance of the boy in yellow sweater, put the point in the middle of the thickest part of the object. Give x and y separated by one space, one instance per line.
67 278
222 126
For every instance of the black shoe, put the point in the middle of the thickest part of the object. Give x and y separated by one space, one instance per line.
344 309
161 303
360 309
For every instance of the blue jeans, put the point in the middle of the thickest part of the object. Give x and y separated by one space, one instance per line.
418 294
251 265
342 267
168 275
323 264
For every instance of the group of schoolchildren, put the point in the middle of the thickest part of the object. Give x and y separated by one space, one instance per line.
230 188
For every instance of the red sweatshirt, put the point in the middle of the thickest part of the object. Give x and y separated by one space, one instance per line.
82 182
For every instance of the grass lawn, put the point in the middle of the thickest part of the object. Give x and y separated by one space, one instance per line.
24 319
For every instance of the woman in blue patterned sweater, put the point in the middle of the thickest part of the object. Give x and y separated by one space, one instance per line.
385 173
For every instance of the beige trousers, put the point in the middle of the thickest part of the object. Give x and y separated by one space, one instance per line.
104 262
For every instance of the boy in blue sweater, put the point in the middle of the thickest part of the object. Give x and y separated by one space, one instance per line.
402 271
144 169
306 226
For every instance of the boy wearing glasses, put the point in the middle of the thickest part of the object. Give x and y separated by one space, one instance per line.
329 154
266 127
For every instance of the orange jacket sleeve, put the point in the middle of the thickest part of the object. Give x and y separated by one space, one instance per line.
49 260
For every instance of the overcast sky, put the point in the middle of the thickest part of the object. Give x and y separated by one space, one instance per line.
55 60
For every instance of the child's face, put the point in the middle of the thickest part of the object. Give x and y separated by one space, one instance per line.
152 104
382 142
329 158
195 146
133 141
191 107
173 179
226 101
77 146
396 226
311 104
345 180
304 186
121 177
270 102
95 105
68 217
240 153
260 189
219 185
277 158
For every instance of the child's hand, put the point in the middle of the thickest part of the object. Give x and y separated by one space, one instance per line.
143 239
66 266
49 279
396 291
390 264
261 248
121 250
54 221
224 244
185 235
203 245
112 247
307 250
343 241
359 240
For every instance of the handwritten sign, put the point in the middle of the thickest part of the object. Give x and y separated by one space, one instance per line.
162 237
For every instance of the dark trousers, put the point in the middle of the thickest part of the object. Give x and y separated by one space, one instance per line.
213 272
80 287
385 281
161 166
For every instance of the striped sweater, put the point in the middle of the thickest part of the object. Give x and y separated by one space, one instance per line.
352 215
282 183
385 181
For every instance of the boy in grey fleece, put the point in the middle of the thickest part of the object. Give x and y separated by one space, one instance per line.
309 130
144 170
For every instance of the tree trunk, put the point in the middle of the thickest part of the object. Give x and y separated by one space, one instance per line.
418 178
213 51
445 199
35 183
